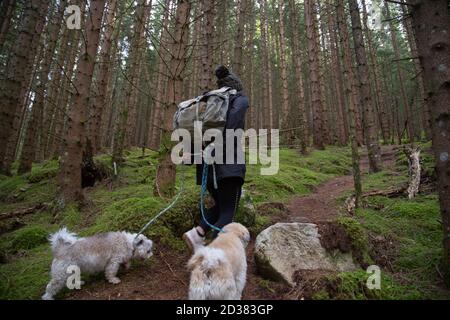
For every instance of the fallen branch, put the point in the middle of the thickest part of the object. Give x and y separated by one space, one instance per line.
171 270
392 192
23 212
350 203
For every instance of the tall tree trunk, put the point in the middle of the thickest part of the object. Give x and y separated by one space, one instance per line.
166 170
381 104
62 94
31 137
249 68
419 73
7 8
401 77
341 125
207 45
123 134
107 60
266 72
158 112
367 106
352 102
314 72
299 86
284 119
22 57
239 41
71 162
431 23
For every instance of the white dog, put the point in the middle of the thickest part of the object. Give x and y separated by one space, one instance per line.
102 252
219 271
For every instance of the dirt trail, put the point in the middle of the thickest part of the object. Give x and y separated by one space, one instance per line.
166 277
321 205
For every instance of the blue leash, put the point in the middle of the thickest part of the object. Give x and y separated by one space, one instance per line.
202 198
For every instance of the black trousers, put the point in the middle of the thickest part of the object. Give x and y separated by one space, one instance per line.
226 199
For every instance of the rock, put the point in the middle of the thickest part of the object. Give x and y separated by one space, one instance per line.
285 248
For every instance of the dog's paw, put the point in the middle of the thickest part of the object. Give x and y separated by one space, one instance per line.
114 280
47 297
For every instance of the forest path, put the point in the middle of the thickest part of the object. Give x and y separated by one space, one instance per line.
166 277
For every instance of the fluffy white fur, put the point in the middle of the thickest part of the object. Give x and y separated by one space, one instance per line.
102 252
219 271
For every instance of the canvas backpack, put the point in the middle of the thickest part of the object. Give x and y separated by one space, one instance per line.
210 108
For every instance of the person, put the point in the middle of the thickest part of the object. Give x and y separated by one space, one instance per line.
229 176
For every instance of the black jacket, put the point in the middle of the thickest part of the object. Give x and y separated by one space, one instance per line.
237 110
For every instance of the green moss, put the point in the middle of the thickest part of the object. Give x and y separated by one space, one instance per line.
353 286
355 231
261 223
27 277
44 171
297 174
71 217
321 295
416 233
28 238
133 213
9 186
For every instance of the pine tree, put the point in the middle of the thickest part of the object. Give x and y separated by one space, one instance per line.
70 175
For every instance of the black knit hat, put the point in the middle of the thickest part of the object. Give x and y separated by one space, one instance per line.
225 78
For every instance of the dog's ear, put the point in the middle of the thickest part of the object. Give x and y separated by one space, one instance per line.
244 234
139 241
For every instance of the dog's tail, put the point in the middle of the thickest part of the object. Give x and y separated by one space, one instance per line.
211 277
61 239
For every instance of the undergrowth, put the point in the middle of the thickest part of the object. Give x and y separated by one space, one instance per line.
128 202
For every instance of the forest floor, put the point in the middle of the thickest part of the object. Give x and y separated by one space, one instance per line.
402 236
144 282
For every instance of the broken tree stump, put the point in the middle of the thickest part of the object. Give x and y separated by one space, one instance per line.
413 156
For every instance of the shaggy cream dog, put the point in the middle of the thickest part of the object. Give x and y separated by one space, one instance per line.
218 271
102 252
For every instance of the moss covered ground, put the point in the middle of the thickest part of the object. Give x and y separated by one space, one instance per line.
128 202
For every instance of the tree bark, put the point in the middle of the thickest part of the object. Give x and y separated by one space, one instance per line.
71 162
423 110
342 125
207 45
314 72
239 41
267 69
158 112
373 148
31 137
284 77
166 170
401 77
107 60
380 100
352 102
299 86
127 116
11 97
431 23
7 8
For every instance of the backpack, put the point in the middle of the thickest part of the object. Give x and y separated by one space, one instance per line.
210 108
